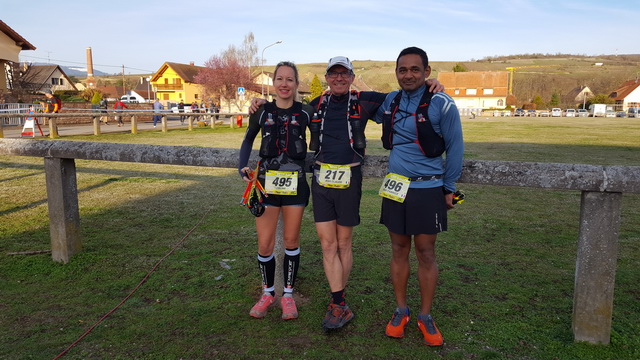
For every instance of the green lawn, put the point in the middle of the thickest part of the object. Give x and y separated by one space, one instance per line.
506 265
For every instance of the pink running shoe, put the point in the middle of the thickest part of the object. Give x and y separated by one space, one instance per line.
289 310
259 310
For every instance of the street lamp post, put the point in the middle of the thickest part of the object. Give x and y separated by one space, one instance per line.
262 66
148 89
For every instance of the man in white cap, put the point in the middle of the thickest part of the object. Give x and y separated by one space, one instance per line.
337 137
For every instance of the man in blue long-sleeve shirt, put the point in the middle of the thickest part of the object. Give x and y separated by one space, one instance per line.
418 190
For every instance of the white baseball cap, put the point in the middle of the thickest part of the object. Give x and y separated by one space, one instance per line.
340 60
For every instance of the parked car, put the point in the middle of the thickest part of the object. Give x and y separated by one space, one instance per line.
556 112
583 113
610 113
519 112
532 113
621 114
506 113
633 112
570 113
129 99
544 113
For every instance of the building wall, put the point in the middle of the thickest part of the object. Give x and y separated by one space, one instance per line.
9 52
176 88
632 100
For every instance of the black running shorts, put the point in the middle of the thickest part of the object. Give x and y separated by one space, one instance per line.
341 205
300 199
423 211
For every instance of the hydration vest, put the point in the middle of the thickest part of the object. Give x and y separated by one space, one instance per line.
355 125
286 136
430 142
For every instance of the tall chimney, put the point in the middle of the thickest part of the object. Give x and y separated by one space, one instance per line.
91 82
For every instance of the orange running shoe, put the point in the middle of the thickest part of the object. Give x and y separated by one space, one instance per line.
259 310
399 320
432 336
289 310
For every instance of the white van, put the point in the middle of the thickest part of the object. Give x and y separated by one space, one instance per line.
597 110
556 112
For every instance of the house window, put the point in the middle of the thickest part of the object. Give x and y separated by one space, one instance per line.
165 96
166 82
471 91
456 91
488 91
196 96
500 102
55 81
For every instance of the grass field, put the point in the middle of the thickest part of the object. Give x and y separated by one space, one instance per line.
507 262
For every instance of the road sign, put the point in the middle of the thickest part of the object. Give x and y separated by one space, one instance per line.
241 91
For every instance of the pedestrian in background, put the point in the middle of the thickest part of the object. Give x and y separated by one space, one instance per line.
157 107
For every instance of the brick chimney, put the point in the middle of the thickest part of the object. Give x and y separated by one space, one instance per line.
91 81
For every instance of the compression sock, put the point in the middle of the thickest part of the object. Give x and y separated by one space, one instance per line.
337 297
290 269
267 265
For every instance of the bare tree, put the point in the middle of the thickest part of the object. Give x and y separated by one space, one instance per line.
225 73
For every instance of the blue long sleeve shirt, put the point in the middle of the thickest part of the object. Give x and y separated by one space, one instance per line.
406 158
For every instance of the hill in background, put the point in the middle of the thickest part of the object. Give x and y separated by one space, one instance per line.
536 74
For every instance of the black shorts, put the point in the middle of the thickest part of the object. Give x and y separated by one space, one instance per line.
341 205
300 199
423 211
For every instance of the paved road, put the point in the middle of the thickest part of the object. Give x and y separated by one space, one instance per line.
87 129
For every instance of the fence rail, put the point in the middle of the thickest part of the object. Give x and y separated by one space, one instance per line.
601 187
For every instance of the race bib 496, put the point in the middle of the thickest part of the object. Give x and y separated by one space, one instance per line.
395 187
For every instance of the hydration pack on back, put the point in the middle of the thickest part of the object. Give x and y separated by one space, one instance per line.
430 142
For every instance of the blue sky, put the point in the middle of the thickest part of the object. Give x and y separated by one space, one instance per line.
142 34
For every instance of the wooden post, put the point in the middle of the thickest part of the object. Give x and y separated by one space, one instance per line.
64 214
596 266
134 124
190 122
164 123
53 128
1 127
96 126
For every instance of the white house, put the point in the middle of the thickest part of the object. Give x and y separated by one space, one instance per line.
627 95
476 89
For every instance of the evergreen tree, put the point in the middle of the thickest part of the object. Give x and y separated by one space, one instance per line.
555 100
539 102
316 87
459 68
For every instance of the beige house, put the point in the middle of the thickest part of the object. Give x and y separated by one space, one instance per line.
476 89
38 78
11 43
578 96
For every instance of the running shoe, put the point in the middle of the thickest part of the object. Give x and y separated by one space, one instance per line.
432 336
259 310
289 310
399 320
337 316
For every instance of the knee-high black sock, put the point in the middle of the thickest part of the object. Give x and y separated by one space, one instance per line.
267 265
290 268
